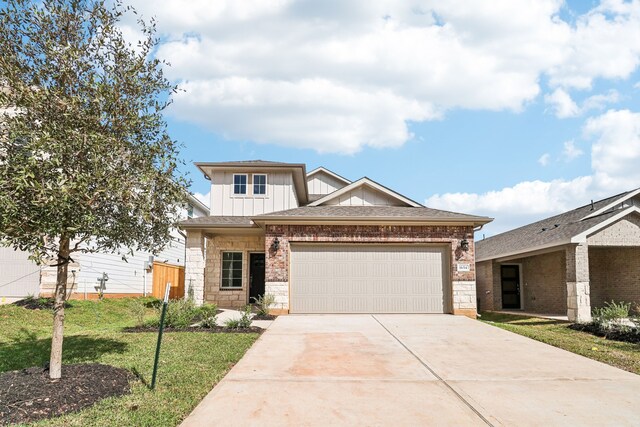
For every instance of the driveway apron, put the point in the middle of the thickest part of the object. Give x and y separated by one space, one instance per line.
413 370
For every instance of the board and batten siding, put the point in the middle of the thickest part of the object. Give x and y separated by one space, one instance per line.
280 195
322 183
19 276
124 277
364 196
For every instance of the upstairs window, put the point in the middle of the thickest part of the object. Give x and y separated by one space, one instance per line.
260 184
239 184
190 211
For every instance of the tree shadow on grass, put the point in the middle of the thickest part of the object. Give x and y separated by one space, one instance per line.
27 350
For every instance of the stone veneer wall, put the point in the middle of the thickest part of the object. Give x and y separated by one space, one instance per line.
463 283
229 298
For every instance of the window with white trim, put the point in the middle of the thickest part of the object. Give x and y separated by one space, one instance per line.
231 270
240 184
260 184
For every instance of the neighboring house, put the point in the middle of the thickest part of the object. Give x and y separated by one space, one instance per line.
565 264
141 273
323 244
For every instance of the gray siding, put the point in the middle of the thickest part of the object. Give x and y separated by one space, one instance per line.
19 277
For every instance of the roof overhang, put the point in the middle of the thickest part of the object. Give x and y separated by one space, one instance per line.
582 237
613 204
351 220
298 170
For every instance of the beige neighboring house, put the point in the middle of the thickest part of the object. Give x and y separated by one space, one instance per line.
566 264
321 243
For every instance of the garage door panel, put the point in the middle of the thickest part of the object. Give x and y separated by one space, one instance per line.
368 279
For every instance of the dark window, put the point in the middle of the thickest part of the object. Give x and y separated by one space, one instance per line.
231 270
239 184
190 211
259 184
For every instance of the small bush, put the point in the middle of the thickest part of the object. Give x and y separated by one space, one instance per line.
244 322
180 314
208 313
138 310
611 313
153 302
264 302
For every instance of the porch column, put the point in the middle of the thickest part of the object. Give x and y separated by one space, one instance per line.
194 265
577 276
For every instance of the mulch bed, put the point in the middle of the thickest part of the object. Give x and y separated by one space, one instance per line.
264 317
38 303
217 329
615 334
29 395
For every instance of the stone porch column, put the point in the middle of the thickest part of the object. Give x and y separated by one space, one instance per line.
577 276
195 265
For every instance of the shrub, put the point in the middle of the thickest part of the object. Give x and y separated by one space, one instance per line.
138 310
244 322
208 313
611 313
180 314
264 302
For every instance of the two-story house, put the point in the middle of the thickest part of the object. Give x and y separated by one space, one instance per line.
321 243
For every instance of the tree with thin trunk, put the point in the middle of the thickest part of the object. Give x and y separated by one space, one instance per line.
86 163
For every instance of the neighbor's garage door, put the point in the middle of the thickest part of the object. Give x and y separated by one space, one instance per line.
368 279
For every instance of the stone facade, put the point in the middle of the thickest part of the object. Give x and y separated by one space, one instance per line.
195 263
216 245
577 275
463 292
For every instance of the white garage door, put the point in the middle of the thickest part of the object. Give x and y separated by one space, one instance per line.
368 279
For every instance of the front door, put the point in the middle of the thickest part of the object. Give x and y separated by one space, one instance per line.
510 276
256 276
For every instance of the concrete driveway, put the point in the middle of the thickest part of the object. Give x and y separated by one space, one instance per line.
413 370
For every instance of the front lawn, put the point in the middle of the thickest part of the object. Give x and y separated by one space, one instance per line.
557 333
191 363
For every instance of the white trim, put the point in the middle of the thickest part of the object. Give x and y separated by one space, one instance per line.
266 186
328 172
613 204
233 185
582 237
370 183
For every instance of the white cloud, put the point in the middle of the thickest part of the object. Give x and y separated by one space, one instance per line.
564 106
337 76
570 151
615 156
544 159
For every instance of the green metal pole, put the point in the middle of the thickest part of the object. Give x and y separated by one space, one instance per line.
155 362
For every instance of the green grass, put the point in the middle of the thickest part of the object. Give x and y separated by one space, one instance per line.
190 363
556 333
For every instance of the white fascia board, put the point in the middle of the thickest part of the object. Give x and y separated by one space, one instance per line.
370 183
582 237
328 172
613 204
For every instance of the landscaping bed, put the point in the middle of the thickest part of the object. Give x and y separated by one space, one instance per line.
191 364
613 332
29 395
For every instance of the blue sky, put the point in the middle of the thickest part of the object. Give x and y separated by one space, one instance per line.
514 109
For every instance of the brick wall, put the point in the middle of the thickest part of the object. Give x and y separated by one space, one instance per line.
484 285
229 298
614 274
463 293
544 286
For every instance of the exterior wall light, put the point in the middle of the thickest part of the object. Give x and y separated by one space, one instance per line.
275 245
464 245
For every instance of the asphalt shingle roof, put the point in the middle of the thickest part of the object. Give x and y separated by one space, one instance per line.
371 211
228 221
556 229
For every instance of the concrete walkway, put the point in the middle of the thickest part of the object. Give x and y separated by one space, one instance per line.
413 370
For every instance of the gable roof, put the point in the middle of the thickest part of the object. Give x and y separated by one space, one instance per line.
371 213
328 172
568 227
371 183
